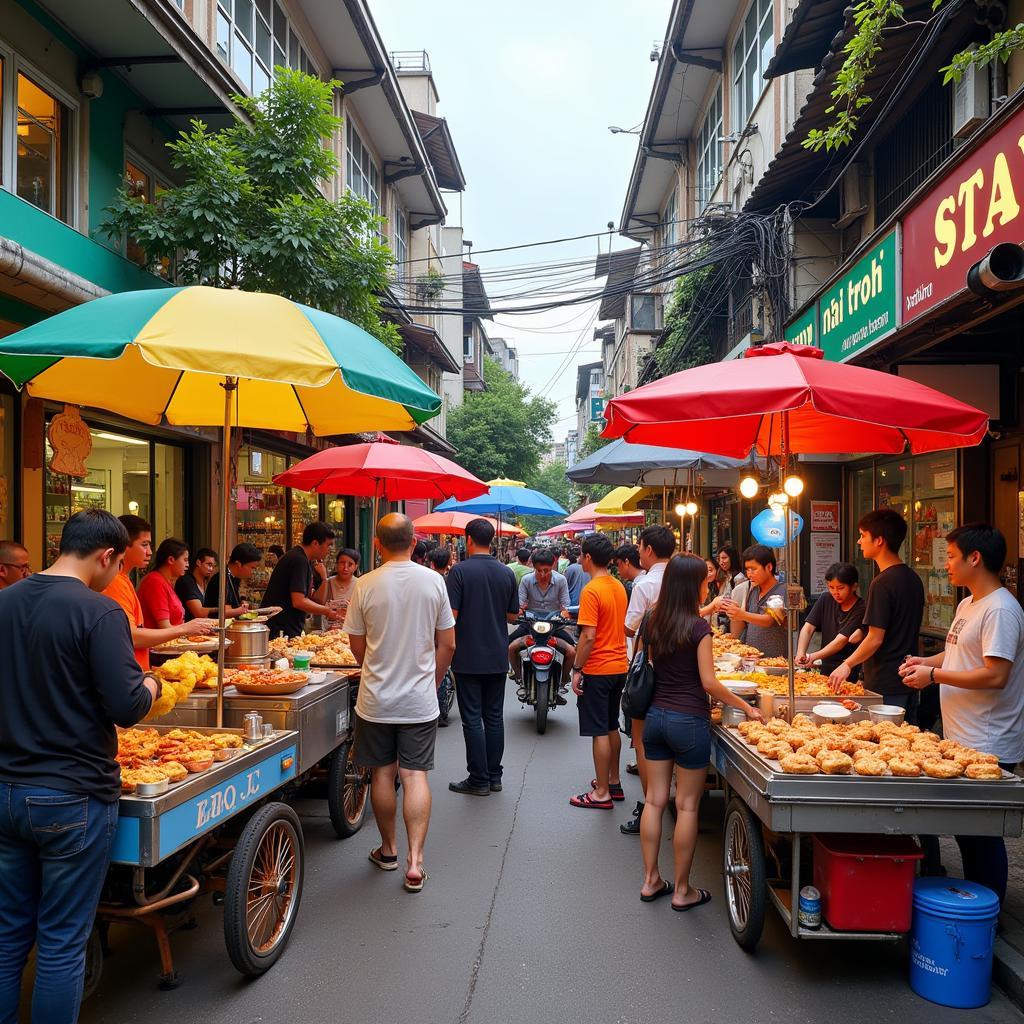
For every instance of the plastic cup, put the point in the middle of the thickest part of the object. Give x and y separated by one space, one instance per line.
301 660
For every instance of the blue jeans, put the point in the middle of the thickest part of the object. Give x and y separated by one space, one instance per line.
54 853
481 707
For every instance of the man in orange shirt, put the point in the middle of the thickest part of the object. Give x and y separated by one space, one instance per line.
138 556
599 671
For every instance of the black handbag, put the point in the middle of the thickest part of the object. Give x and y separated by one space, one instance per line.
638 692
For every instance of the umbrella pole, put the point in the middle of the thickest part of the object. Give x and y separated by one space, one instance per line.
790 568
230 386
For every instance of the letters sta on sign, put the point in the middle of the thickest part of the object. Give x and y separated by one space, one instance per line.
975 207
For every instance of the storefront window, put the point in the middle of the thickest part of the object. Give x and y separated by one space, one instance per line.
7 467
862 499
42 155
126 475
260 504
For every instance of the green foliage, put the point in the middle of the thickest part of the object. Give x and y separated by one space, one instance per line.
685 345
872 18
552 481
504 430
430 285
252 213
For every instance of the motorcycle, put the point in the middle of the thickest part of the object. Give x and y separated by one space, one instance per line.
542 664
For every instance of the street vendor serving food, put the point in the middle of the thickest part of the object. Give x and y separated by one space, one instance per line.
70 676
839 615
763 610
980 675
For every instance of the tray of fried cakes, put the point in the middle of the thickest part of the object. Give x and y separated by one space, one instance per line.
266 682
154 760
866 750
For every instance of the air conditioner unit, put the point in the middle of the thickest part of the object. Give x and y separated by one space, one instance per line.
853 198
972 102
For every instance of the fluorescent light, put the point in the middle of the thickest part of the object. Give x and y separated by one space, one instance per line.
89 488
118 437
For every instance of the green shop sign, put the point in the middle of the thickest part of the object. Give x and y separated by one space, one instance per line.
804 329
862 307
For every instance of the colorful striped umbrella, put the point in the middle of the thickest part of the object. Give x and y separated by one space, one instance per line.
163 355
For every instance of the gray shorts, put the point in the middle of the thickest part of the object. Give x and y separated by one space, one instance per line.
378 744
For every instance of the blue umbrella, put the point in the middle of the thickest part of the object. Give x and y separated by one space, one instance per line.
520 501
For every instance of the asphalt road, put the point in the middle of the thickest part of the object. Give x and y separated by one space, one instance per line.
531 914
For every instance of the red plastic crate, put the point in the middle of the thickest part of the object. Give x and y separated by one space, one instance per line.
866 882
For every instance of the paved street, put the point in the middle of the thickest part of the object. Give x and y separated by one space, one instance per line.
530 914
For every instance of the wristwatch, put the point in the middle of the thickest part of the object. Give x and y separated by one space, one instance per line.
931 675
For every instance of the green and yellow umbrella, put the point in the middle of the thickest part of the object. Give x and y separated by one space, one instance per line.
162 355
215 357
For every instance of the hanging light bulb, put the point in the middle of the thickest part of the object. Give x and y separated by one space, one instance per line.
793 486
691 508
680 510
749 487
778 501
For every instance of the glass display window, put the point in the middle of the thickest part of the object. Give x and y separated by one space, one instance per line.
261 508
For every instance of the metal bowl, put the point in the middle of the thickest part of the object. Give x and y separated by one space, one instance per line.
152 788
887 713
732 716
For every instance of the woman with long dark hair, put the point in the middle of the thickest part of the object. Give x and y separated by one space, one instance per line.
678 724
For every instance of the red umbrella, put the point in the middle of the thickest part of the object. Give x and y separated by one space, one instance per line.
388 471
588 514
731 407
454 523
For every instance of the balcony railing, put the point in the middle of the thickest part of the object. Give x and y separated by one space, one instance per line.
411 61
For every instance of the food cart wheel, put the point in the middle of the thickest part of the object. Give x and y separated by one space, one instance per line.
264 886
348 789
746 886
541 708
93 962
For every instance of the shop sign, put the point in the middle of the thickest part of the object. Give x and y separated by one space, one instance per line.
71 442
862 307
804 329
824 516
975 207
824 554
596 409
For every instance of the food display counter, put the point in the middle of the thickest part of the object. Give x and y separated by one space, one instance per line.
768 812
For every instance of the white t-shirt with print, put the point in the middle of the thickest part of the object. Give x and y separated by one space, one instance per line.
399 608
991 721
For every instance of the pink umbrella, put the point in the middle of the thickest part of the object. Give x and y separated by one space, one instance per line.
589 514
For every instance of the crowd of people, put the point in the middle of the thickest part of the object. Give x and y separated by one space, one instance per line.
77 638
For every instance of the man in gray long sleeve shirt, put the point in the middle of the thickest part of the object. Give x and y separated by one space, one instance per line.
543 592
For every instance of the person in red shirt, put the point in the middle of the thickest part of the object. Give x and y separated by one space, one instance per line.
136 556
599 669
161 606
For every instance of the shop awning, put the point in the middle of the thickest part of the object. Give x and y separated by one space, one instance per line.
428 341
808 36
441 149
622 500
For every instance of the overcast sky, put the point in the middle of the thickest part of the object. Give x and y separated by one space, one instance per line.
529 91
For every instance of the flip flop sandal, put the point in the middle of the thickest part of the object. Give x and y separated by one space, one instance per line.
705 897
410 886
383 862
615 789
666 888
587 800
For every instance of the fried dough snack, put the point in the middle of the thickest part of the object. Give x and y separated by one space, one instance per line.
968 757
799 764
984 770
872 766
943 769
174 770
835 762
904 767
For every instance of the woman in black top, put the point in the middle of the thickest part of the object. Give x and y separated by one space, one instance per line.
839 616
678 724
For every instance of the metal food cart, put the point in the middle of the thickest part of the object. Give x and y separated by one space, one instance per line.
769 812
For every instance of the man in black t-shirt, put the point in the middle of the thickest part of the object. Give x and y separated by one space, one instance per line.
292 583
892 616
241 564
484 597
70 676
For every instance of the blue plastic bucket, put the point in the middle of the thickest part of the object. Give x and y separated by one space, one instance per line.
951 939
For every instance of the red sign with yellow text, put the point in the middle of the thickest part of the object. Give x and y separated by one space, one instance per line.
979 204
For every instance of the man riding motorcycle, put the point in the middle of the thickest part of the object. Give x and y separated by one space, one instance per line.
542 591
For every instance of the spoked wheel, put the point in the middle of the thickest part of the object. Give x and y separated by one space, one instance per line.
541 708
746 886
264 886
348 790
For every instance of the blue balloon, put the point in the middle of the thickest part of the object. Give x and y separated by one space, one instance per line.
769 527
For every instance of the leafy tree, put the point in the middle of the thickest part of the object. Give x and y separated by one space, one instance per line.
252 212
872 18
504 430
551 480
687 341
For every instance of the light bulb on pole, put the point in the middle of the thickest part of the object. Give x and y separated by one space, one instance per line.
793 486
691 508
680 510
749 487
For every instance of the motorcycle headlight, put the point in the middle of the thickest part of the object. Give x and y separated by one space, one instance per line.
542 627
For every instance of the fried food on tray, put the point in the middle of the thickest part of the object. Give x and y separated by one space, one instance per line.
174 770
943 769
744 728
983 770
948 747
801 721
873 766
132 777
799 764
773 748
967 757
331 648
773 662
904 767
835 762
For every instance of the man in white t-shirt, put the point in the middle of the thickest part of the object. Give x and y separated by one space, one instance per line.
981 678
657 545
402 632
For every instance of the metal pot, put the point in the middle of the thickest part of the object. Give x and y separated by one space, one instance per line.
732 716
249 641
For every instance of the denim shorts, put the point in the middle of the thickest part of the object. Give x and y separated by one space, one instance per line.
673 735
